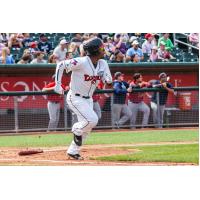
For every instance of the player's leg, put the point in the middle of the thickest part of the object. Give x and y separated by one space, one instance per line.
87 119
126 114
116 112
57 114
133 107
52 115
146 111
162 110
154 108
97 109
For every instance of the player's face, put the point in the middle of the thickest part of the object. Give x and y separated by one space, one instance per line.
101 51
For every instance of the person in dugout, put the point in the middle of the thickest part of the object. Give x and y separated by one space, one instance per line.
53 105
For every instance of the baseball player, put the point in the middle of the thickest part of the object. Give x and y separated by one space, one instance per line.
86 73
121 88
96 98
162 83
136 100
53 105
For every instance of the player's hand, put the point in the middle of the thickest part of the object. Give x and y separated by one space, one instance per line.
129 89
164 85
58 89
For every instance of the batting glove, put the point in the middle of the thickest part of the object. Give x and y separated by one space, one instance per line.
58 89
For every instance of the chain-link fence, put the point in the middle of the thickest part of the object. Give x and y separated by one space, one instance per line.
29 111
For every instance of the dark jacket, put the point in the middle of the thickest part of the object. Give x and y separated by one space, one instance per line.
120 90
162 95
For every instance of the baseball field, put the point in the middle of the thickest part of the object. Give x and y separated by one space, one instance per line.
105 148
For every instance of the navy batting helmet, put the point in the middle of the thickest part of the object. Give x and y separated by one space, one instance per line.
92 46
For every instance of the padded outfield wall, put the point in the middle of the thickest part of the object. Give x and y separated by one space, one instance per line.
32 112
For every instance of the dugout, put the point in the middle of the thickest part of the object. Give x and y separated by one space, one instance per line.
33 77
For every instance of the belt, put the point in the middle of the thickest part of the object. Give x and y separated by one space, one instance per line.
85 97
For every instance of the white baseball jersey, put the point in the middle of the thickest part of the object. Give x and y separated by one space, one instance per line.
85 77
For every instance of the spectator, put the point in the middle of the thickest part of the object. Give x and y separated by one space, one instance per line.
6 58
168 43
60 51
155 39
15 41
194 39
33 48
39 58
85 36
1 47
26 40
117 57
27 52
154 54
136 101
134 50
44 45
4 37
119 100
135 58
77 38
131 40
51 59
109 47
163 53
119 42
74 50
25 59
147 45
162 83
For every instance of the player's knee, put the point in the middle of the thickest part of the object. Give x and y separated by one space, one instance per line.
93 121
53 120
129 114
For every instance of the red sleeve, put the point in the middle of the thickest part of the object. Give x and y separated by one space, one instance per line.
52 84
146 84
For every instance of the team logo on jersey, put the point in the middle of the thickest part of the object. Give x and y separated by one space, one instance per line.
73 62
93 79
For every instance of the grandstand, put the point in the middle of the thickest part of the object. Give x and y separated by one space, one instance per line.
183 51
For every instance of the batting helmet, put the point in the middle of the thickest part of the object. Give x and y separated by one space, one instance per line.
92 46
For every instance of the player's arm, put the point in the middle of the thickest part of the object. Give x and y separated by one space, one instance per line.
107 77
168 87
48 89
68 65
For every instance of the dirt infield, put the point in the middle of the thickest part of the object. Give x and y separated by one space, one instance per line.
57 156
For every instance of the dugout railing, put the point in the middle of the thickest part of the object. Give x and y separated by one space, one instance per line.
19 114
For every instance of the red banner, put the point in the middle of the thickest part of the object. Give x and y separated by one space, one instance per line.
8 84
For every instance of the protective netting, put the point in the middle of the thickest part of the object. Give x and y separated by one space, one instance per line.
30 112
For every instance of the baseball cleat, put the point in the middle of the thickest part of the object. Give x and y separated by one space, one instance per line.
75 156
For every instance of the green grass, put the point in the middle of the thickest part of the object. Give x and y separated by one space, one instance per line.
182 153
52 140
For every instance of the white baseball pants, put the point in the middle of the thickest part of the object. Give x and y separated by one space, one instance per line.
87 118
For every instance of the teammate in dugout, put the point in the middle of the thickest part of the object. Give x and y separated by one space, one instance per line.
121 88
53 105
168 88
87 71
136 101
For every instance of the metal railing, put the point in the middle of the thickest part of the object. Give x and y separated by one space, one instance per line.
181 42
15 118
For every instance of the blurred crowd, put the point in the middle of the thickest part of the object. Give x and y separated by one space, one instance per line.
23 48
